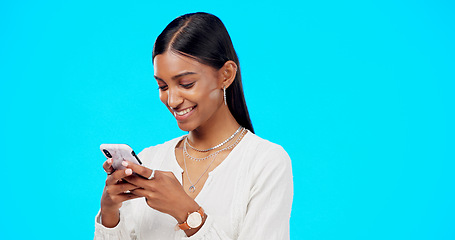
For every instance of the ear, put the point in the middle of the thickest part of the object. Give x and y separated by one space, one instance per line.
228 73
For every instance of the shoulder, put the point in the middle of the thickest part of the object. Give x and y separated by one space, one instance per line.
265 155
268 166
263 147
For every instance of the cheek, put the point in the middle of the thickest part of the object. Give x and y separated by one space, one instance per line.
163 97
215 95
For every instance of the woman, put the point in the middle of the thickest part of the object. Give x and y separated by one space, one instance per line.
220 181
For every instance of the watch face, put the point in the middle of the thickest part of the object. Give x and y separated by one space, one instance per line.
194 220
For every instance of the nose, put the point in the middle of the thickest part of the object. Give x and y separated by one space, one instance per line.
174 99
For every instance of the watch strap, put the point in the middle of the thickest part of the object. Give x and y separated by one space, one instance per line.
184 226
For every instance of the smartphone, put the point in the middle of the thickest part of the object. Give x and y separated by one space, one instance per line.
118 153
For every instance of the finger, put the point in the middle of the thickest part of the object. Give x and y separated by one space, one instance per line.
107 166
141 192
138 169
140 182
126 196
118 175
150 197
118 189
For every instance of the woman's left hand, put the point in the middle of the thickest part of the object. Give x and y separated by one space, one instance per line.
163 192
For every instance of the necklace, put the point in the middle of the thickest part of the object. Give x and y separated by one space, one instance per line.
217 146
185 150
192 188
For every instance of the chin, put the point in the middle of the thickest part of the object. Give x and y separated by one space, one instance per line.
186 127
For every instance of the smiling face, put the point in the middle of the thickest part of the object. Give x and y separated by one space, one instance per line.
192 91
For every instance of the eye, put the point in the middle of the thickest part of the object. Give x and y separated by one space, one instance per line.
189 85
162 88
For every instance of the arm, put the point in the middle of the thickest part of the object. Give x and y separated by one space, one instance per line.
122 231
269 201
164 193
271 194
109 222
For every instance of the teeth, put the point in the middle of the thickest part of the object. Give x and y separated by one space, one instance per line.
184 111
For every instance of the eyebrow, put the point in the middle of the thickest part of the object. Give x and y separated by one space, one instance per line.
176 76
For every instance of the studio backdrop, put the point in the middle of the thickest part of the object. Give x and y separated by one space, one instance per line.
359 93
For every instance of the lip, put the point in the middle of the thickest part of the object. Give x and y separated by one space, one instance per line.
184 116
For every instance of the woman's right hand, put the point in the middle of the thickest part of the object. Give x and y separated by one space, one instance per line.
115 192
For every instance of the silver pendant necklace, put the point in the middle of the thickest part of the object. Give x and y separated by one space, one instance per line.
192 188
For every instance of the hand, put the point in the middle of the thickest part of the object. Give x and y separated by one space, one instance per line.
115 192
163 192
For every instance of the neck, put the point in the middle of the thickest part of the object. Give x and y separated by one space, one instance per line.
217 129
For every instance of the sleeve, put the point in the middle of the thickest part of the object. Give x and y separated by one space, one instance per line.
270 202
124 229
209 231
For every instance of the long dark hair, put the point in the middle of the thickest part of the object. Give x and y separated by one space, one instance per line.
203 37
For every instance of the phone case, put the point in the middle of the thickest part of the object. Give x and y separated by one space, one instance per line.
118 153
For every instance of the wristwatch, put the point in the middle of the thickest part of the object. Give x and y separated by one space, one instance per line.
194 220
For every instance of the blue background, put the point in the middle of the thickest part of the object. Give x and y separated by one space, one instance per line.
360 94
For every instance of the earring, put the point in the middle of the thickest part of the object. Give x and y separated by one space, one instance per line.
224 93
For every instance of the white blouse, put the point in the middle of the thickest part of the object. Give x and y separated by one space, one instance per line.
248 196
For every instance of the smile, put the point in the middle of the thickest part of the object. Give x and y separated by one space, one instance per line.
183 112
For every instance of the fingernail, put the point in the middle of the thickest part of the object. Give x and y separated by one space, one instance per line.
109 160
125 163
128 171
